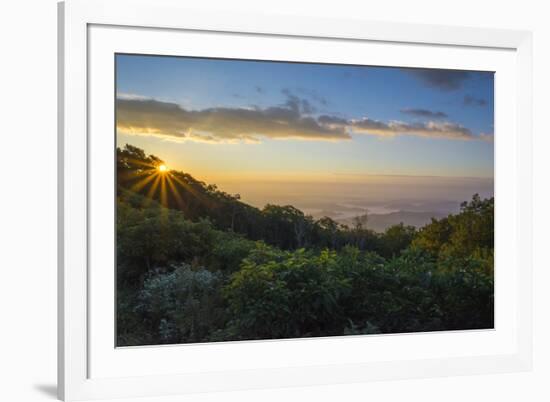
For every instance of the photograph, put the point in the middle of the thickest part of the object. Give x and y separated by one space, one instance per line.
264 200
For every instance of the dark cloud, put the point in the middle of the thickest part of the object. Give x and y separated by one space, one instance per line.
298 104
430 114
334 120
260 89
444 80
473 101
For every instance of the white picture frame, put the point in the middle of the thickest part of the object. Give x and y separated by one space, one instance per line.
89 368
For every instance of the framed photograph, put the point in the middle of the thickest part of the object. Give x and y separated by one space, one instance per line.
252 201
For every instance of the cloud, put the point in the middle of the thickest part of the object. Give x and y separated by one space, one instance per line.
297 104
333 120
430 129
291 120
221 124
313 95
444 80
472 101
425 113
487 137
123 95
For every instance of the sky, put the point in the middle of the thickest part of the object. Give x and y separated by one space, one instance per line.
272 129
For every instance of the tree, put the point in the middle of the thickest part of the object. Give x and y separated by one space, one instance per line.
328 230
360 222
235 198
287 226
468 233
395 239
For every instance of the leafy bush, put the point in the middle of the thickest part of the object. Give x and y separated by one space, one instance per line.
181 305
295 294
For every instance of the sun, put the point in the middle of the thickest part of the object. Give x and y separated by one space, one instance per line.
162 168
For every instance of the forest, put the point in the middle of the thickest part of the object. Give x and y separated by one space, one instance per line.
196 264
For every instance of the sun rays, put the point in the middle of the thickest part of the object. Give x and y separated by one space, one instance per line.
152 178
159 183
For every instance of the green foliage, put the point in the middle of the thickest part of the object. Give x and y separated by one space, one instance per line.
228 250
156 236
294 294
207 267
469 232
182 305
395 239
286 227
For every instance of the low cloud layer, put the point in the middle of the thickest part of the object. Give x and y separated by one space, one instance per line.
152 117
291 120
430 129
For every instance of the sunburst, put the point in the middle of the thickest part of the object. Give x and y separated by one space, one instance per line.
160 183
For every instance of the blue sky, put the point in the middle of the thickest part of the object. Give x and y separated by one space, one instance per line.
225 120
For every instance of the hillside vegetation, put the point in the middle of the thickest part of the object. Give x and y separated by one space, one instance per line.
195 264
